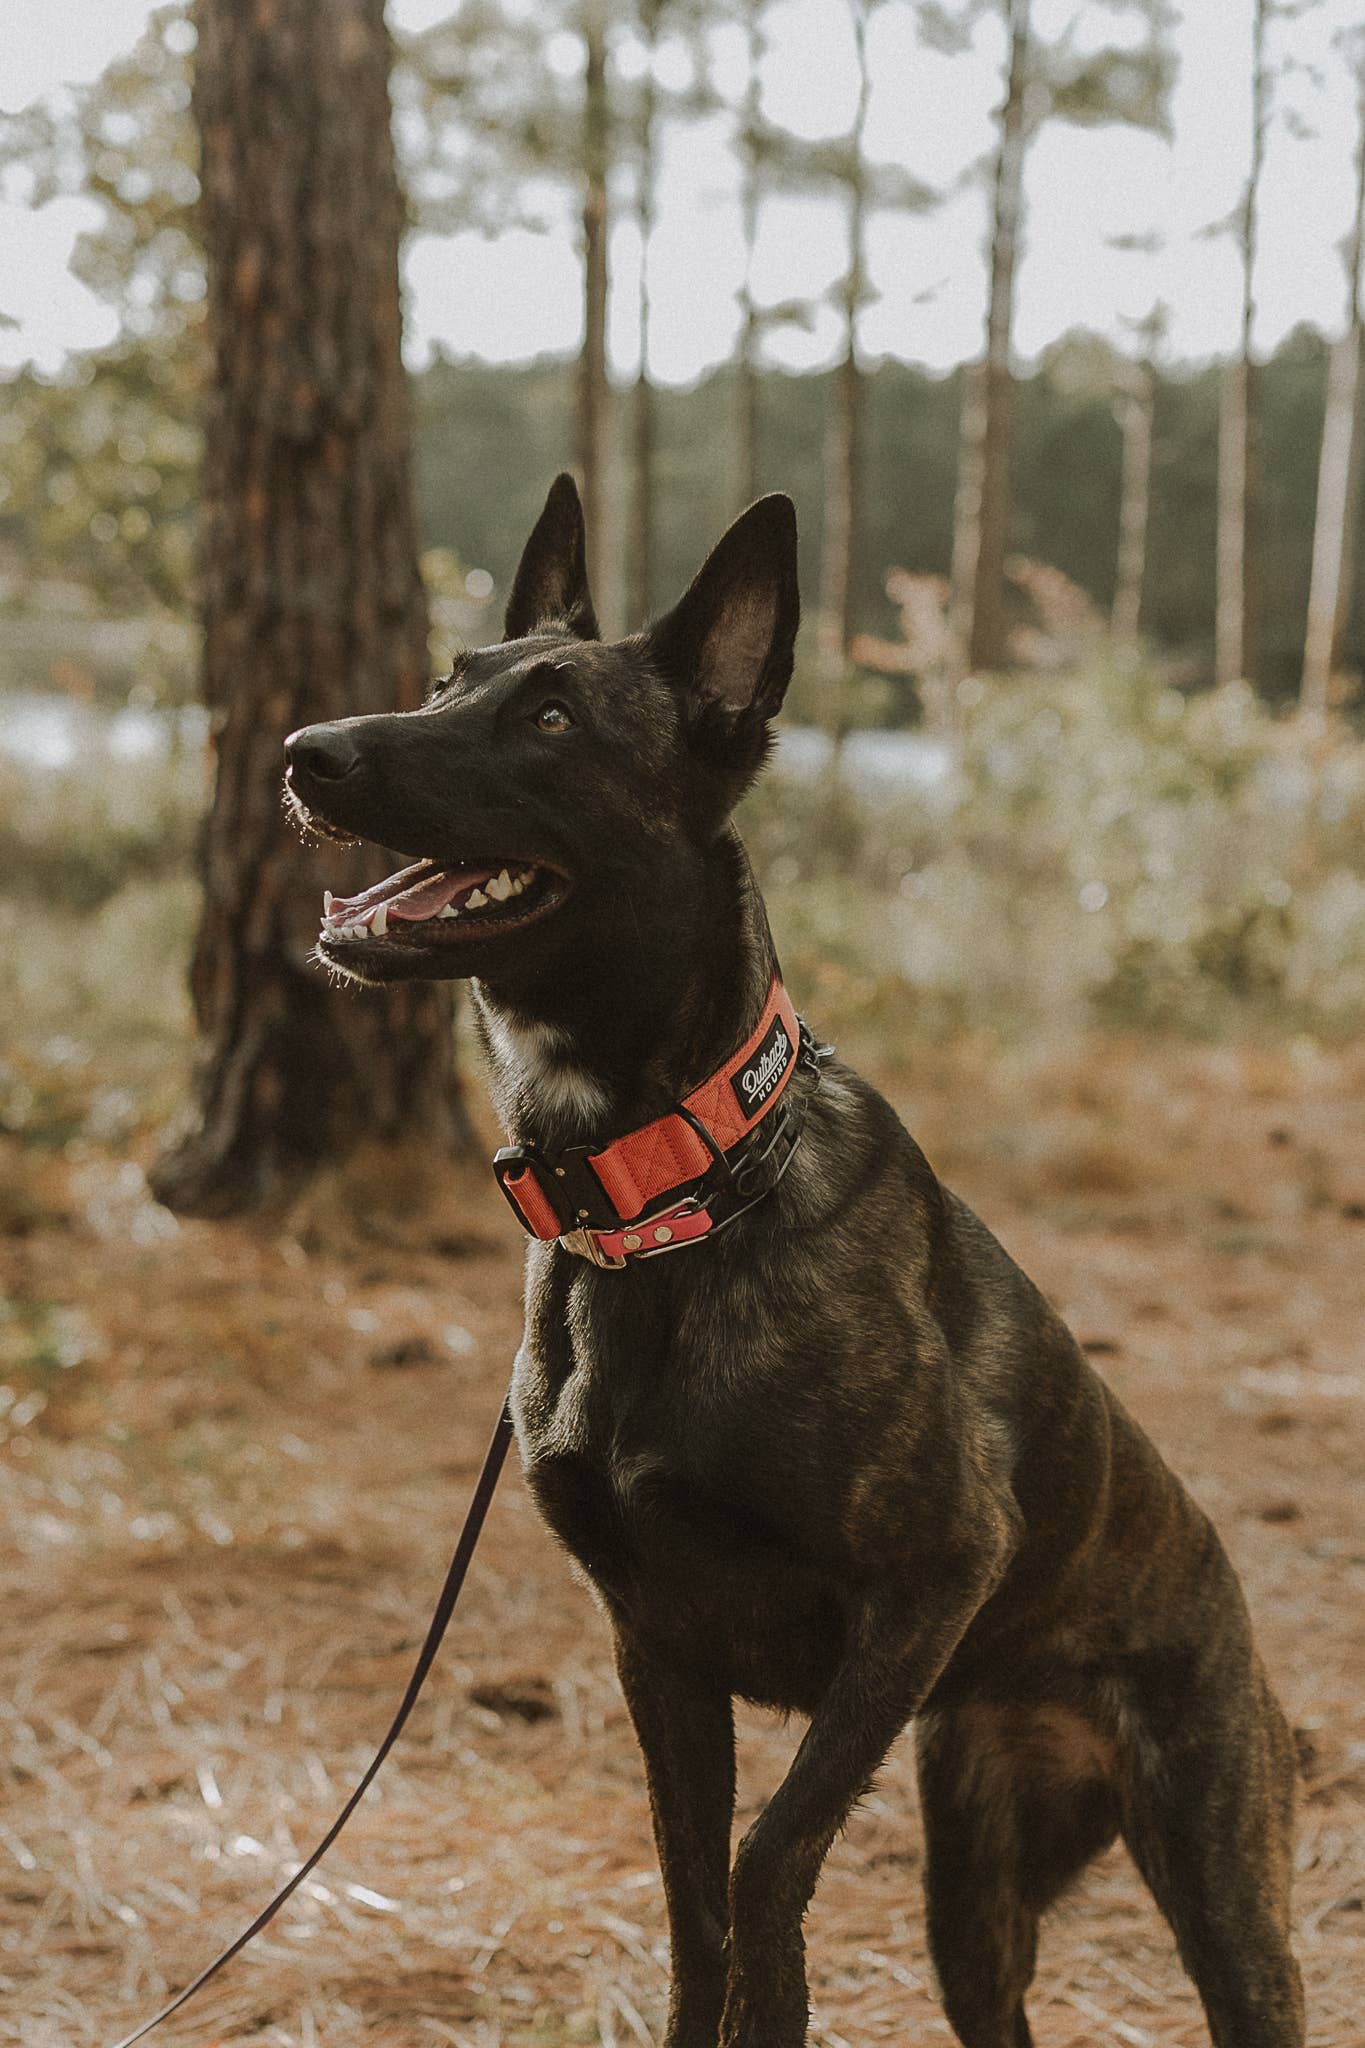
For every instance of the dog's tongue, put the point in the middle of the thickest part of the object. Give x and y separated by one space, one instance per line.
413 894
431 896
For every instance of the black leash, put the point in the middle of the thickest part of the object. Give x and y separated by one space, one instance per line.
494 1458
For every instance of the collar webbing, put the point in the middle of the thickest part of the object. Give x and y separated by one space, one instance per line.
643 1192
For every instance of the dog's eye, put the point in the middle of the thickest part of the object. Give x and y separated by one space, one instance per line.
552 717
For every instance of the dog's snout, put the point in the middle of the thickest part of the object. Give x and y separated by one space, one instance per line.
326 752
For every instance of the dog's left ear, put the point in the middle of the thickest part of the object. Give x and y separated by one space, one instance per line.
729 640
551 587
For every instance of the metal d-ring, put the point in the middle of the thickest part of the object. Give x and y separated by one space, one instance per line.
718 1158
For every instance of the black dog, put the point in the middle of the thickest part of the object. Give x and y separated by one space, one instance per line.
842 1459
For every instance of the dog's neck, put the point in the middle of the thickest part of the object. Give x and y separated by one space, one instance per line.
652 1007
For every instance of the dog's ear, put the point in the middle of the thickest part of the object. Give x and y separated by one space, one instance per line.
551 587
729 640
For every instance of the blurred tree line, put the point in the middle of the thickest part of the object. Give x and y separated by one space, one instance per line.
102 469
1096 458
487 436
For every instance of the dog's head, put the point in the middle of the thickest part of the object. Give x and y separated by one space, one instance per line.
556 780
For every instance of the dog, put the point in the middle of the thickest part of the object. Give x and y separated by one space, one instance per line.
834 1453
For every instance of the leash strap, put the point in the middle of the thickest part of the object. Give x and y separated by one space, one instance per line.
494 1459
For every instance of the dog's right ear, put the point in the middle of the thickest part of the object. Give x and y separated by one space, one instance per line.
551 587
728 643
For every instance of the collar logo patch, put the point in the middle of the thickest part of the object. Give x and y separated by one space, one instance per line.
761 1074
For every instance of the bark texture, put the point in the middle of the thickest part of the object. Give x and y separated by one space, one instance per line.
310 592
982 513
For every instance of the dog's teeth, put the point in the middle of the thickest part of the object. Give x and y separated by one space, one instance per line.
448 910
379 922
327 901
518 886
501 887
475 900
527 875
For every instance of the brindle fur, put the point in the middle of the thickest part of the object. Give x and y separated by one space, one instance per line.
844 1460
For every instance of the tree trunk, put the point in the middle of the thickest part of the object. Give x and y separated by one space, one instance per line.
310 593
1236 608
843 469
640 576
594 391
1139 403
1331 588
982 512
746 367
843 493
1232 615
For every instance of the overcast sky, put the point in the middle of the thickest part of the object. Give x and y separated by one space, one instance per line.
519 296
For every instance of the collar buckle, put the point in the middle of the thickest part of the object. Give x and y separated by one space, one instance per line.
587 1246
513 1167
564 1183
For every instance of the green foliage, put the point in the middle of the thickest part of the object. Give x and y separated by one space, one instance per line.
100 465
1113 85
1101 841
489 132
488 440
99 474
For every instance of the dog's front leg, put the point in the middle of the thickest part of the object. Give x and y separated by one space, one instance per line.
686 1730
881 1683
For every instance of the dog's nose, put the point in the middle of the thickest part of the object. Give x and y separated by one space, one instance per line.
326 752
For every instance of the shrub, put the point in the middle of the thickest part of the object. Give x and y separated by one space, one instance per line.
1093 840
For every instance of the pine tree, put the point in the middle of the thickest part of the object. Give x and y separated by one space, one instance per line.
843 462
310 596
981 514
1042 82
750 140
1236 606
593 433
640 553
1137 412
1332 586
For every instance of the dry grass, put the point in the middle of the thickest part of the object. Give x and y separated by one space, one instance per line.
227 1511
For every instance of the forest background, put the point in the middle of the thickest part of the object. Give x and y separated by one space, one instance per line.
1063 841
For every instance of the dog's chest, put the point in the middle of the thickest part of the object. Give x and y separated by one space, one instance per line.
669 1492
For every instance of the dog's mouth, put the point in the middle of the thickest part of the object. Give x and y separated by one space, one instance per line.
434 905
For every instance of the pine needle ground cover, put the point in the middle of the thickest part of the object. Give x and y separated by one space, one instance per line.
234 1460
233 1457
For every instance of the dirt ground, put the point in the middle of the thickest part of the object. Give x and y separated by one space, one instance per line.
234 1463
